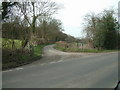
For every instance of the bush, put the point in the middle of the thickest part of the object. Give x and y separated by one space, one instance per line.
62 44
16 57
12 58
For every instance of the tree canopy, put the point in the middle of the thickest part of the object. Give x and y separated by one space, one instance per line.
101 30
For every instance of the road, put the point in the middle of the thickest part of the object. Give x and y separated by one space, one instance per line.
85 71
51 54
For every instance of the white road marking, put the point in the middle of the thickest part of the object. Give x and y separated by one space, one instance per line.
42 64
7 71
32 66
60 61
52 62
12 70
19 68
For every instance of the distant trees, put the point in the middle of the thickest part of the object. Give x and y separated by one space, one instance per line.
47 32
50 30
70 39
101 30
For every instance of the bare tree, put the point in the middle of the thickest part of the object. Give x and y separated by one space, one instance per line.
90 27
34 10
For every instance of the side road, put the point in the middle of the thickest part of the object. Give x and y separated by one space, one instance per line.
50 54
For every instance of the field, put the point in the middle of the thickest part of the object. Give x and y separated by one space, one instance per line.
7 43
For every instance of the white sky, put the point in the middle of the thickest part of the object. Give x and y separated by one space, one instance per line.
73 12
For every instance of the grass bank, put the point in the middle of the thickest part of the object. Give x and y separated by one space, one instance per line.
14 58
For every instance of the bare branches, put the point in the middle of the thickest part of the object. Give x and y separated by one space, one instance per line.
33 10
46 8
24 11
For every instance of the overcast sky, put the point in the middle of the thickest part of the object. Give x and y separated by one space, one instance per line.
73 12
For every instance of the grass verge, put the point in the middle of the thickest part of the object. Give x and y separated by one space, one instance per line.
82 50
18 59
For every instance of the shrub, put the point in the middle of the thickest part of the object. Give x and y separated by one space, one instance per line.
12 58
62 44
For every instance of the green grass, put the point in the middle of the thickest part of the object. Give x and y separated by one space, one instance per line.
82 50
37 54
7 43
38 50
